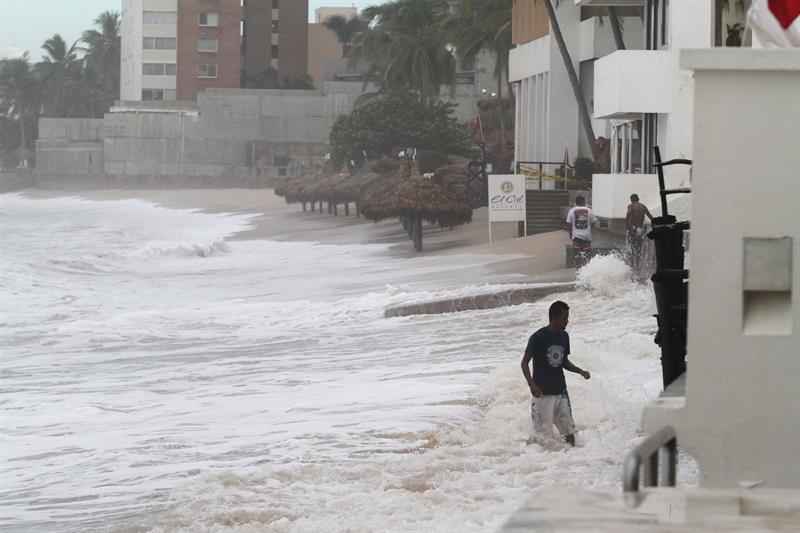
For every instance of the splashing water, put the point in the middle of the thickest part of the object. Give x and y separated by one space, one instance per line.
258 387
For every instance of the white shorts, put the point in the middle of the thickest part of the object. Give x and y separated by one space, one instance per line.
550 410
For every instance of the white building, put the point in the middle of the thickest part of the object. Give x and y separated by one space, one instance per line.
148 52
547 122
638 97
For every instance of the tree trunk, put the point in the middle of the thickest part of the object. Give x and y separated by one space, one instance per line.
304 207
320 207
23 148
347 209
418 233
616 27
330 207
501 154
358 211
583 111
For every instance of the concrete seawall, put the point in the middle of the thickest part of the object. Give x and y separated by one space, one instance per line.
480 301
16 180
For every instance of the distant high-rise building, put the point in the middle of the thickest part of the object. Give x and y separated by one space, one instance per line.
209 46
170 49
275 35
322 42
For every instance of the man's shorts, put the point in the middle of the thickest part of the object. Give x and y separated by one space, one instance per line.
550 410
581 244
636 239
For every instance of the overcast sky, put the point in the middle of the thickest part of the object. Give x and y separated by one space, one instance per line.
26 24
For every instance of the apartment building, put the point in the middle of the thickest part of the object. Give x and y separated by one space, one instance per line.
275 36
149 50
208 46
171 49
638 97
322 42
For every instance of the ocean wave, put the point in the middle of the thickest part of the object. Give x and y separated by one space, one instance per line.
209 249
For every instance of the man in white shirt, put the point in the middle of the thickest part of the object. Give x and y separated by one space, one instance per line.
579 224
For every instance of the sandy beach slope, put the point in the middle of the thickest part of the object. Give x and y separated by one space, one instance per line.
537 258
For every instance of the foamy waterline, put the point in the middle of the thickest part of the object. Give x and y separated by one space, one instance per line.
157 374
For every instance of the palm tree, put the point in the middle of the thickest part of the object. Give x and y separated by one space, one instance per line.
486 25
19 96
406 47
583 110
103 52
345 29
59 71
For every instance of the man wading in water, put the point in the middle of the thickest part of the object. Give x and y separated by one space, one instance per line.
548 348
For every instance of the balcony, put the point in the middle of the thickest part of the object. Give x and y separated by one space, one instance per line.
631 82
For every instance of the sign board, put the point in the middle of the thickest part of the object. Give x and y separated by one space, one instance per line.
506 197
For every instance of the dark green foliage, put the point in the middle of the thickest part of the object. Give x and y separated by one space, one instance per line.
430 160
584 168
388 124
345 29
63 84
406 48
268 79
385 164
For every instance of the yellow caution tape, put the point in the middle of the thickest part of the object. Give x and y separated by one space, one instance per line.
541 174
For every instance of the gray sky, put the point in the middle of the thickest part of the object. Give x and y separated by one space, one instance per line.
26 24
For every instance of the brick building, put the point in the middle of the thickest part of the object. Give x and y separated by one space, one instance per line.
275 35
208 46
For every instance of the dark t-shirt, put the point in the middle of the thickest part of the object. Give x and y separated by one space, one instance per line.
549 351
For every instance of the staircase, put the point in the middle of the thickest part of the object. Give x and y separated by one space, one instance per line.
544 209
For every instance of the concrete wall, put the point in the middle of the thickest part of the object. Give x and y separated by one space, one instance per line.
15 180
741 418
228 135
70 146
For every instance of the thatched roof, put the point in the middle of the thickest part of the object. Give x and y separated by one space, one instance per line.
297 189
418 196
349 189
381 185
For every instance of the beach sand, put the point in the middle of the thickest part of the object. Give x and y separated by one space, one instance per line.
533 259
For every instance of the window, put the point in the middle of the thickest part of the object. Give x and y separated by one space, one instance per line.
206 71
159 43
207 44
208 19
274 51
159 69
152 94
276 4
275 26
160 17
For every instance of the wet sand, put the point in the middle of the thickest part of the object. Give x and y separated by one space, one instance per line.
537 258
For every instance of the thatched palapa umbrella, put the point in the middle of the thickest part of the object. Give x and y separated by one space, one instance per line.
417 199
349 189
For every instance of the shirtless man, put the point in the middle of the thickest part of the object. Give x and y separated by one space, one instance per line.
634 221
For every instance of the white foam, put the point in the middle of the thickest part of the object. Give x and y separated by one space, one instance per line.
259 388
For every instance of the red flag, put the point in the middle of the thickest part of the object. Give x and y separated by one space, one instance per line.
775 23
566 158
786 11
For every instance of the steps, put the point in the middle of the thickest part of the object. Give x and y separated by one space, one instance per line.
544 209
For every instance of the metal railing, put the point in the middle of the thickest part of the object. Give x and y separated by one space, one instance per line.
657 454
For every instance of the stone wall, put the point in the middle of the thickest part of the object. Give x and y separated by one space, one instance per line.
228 136
70 146
15 180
